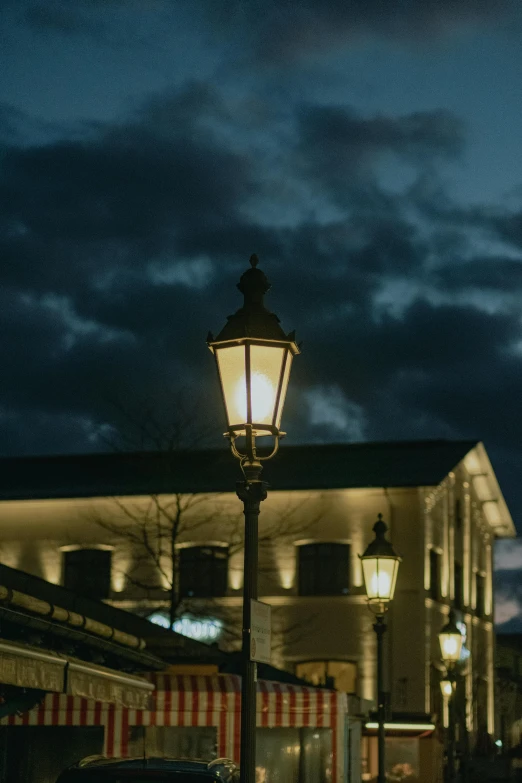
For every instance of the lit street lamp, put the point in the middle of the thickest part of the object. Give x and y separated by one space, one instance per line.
450 640
446 687
253 358
380 565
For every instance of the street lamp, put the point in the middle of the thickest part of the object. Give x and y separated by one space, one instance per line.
380 565
253 359
450 640
446 688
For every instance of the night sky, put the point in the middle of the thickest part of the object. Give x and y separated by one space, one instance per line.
367 151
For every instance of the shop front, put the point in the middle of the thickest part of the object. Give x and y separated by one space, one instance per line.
302 732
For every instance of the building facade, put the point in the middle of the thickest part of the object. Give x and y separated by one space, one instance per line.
112 525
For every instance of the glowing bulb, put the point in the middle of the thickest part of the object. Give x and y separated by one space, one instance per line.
381 584
262 397
450 646
447 688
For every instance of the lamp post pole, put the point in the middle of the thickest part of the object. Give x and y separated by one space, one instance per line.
450 767
253 359
380 565
450 640
252 492
447 686
380 629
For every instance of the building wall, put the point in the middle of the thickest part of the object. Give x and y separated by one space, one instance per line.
455 526
446 518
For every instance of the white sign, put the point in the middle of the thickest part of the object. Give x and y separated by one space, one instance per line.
205 629
260 632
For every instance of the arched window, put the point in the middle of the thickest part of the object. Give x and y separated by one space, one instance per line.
323 568
203 571
87 571
434 575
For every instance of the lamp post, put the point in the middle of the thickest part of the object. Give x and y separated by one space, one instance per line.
253 359
380 565
450 640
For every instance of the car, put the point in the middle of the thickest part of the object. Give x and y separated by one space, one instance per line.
98 769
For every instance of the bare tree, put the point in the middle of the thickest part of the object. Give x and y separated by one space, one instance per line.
154 528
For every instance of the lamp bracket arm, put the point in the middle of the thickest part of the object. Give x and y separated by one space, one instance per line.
250 456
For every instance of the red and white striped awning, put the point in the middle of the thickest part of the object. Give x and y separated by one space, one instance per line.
198 700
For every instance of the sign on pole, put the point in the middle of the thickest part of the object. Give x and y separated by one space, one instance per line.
260 632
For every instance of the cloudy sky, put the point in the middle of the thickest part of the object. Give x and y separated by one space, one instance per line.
367 151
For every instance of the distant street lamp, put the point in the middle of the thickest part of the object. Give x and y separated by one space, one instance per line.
446 687
450 640
253 358
380 565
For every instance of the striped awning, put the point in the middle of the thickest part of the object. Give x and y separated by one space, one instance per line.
192 700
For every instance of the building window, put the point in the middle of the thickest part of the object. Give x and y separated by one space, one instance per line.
87 572
458 514
434 575
324 569
203 571
457 584
480 587
341 675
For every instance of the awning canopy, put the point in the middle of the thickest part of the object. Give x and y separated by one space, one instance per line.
28 667
107 685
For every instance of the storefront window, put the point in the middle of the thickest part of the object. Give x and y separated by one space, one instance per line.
294 755
188 742
402 759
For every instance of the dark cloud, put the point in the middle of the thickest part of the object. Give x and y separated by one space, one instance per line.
121 247
76 209
344 153
280 30
56 17
351 140
10 121
494 273
508 227
276 31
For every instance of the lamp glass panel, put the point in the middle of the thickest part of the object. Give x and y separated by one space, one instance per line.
446 687
265 372
450 646
231 363
380 575
284 387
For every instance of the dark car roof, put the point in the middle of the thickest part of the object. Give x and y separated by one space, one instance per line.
219 769
184 765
